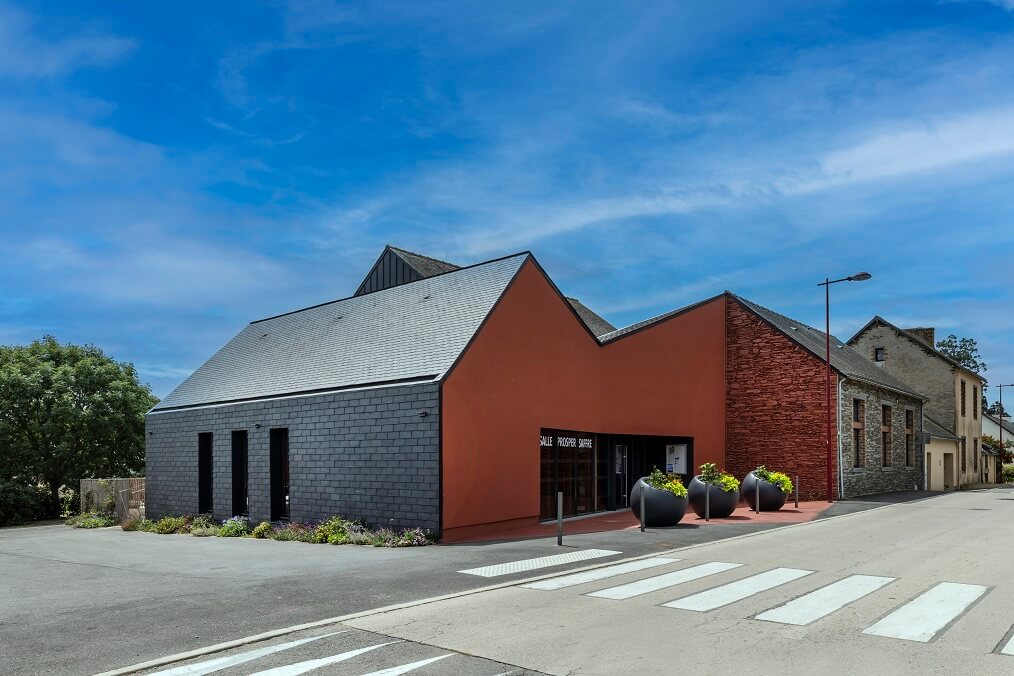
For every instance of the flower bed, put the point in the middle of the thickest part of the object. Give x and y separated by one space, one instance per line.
335 531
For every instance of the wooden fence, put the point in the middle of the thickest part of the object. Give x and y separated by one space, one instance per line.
125 497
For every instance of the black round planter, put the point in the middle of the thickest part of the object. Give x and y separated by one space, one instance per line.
722 504
771 496
661 508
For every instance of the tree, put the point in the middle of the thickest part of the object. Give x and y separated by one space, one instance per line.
69 412
1008 446
997 410
965 351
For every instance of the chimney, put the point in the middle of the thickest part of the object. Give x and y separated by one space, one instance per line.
927 335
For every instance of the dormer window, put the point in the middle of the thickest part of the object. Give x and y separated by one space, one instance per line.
879 354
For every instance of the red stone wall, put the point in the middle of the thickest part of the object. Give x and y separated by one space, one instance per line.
775 403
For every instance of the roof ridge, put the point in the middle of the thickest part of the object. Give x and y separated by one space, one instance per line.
414 281
919 341
399 250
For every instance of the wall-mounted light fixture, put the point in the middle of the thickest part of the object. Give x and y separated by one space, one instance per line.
257 426
423 414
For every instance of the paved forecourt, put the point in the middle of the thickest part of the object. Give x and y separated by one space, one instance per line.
915 588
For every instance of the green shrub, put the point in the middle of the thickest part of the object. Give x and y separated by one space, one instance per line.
130 524
710 475
1008 474
294 530
667 482
145 525
169 525
92 520
782 481
203 531
236 527
21 503
261 530
203 521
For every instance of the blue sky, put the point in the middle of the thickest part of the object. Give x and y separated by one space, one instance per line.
167 175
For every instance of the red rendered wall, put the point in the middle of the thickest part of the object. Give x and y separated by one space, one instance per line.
533 365
775 403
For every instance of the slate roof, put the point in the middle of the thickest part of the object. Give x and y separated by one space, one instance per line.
844 359
1008 426
937 430
596 324
424 265
410 331
915 339
619 333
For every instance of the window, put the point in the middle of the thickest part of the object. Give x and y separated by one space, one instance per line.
976 402
885 435
909 438
279 451
858 432
205 442
240 507
963 402
964 461
879 354
975 455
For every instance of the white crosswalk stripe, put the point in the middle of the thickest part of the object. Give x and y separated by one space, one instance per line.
651 584
405 668
310 665
738 590
219 663
541 562
1008 649
598 574
928 614
826 600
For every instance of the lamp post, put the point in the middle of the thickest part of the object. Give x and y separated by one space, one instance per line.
858 277
1000 389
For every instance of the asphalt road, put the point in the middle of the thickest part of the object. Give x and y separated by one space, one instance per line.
81 602
918 588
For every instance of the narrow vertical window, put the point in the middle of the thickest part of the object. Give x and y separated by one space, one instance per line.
964 460
909 438
279 474
879 354
240 506
885 435
858 432
205 442
964 403
976 402
975 455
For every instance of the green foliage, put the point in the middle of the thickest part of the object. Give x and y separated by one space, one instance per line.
261 531
130 524
69 412
965 351
235 527
21 503
782 481
666 482
710 475
1008 474
204 531
333 531
92 520
169 525
145 525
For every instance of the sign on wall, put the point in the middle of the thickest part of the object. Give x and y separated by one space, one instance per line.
676 458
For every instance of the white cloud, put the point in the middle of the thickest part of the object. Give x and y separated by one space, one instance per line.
23 55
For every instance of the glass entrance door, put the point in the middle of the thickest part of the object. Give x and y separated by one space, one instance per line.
620 472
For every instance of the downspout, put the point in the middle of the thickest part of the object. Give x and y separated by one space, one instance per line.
922 445
841 475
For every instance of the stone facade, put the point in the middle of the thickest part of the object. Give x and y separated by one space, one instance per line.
776 413
364 454
874 476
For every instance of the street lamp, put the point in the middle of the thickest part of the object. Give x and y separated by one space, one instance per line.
858 277
1000 388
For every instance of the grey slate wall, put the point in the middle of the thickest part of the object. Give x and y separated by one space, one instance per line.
873 476
364 454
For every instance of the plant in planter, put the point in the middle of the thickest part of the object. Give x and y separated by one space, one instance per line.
719 491
665 499
774 488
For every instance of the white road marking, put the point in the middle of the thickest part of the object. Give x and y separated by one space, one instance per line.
738 590
1009 648
826 600
925 616
405 668
598 574
541 562
217 664
626 591
310 665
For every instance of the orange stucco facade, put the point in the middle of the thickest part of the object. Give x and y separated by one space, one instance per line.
533 365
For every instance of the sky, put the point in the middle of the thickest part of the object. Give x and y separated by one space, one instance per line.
170 172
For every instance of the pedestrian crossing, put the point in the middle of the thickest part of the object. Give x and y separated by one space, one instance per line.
526 565
922 618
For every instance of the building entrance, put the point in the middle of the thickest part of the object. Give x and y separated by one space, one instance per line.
596 472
